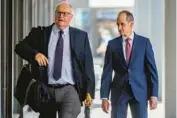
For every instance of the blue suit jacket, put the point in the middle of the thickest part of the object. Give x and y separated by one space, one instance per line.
141 71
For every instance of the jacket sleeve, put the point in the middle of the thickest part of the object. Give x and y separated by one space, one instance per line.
89 69
151 69
26 48
106 78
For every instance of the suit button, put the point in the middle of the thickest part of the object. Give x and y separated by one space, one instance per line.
128 70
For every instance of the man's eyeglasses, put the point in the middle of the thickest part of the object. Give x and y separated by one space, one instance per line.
62 13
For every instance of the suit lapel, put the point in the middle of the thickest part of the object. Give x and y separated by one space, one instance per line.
120 46
134 49
72 48
47 34
72 39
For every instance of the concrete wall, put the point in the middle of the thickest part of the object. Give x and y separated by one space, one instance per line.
170 58
0 61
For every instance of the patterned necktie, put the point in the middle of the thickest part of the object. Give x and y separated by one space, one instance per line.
58 57
128 49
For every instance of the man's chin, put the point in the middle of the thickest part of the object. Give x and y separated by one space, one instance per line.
61 25
121 33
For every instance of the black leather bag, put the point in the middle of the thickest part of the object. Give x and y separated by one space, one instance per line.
24 84
39 95
31 91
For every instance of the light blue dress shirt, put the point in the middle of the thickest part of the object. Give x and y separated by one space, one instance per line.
66 74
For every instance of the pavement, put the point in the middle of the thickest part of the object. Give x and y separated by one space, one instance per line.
96 111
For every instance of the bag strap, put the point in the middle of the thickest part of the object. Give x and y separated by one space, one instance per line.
43 33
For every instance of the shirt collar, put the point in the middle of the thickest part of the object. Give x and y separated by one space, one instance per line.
131 36
56 29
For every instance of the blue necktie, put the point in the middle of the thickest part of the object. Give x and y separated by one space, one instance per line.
58 57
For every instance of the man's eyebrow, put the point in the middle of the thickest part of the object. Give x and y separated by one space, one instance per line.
62 11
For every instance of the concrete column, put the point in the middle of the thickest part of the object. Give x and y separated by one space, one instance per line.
158 40
17 34
93 42
52 11
0 61
27 15
41 12
142 14
170 59
35 12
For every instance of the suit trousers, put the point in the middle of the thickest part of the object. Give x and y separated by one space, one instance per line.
65 101
138 109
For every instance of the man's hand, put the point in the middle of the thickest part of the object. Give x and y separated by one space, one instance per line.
41 59
88 100
153 102
105 105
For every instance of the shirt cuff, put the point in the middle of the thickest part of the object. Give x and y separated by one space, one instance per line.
104 98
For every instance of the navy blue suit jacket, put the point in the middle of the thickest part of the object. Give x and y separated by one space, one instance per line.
81 57
141 71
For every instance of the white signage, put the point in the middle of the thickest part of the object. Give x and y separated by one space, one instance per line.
111 3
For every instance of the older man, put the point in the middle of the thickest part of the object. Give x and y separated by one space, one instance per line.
65 54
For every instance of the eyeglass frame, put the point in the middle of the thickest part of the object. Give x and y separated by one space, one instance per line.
65 14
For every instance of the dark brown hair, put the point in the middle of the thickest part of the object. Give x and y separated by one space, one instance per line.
129 15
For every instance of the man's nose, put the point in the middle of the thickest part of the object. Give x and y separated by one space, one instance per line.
119 27
61 15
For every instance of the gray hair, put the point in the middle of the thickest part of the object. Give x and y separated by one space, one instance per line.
64 1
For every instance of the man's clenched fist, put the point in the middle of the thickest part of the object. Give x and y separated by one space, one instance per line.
41 59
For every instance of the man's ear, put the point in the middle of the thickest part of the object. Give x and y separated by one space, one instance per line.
71 17
131 23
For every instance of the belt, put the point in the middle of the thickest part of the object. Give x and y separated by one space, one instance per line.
55 86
